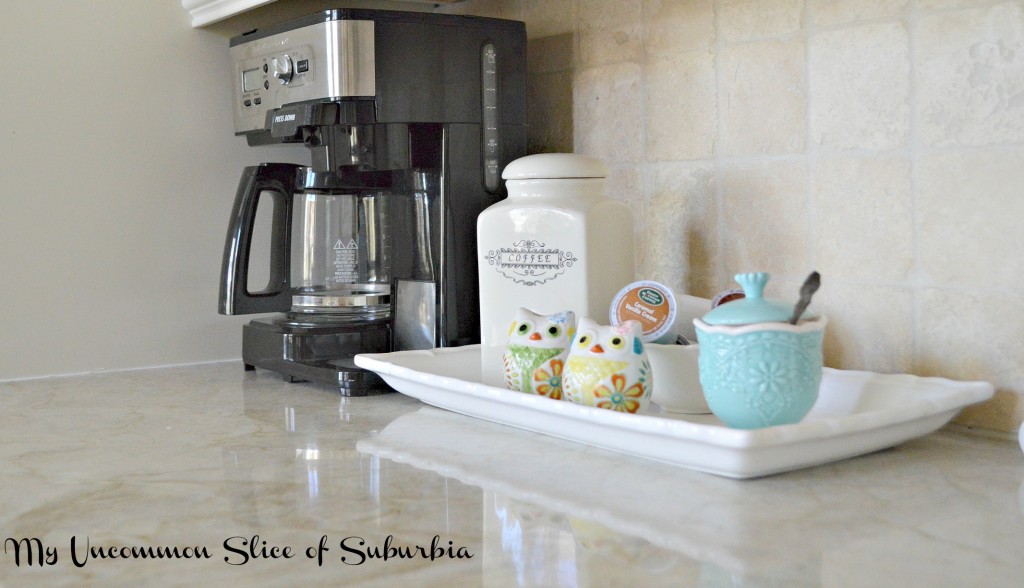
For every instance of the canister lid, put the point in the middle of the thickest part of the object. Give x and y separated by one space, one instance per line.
555 166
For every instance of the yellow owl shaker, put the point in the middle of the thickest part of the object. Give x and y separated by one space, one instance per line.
607 367
557 243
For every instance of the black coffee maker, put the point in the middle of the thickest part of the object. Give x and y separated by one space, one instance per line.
409 118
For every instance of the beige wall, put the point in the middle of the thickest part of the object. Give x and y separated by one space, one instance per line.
118 166
881 143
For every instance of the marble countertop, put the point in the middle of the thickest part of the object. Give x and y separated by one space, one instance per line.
237 476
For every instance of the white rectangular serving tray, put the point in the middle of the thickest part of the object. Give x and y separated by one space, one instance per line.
856 413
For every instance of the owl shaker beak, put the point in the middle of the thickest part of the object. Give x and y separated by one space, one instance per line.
597 349
534 336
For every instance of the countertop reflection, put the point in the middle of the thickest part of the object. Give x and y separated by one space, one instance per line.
237 476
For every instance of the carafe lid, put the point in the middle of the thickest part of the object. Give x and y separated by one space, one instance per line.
555 166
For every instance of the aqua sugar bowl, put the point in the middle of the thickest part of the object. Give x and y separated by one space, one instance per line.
756 369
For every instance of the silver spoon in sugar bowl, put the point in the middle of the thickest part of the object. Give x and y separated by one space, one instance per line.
810 286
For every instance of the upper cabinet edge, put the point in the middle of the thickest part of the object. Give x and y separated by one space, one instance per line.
204 12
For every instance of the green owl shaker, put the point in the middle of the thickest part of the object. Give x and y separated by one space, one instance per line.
756 369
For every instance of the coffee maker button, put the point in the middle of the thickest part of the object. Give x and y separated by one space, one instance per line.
302 66
247 102
257 101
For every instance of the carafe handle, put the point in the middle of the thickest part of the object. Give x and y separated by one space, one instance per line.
278 181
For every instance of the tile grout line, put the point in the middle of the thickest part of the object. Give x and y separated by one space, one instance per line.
912 21
721 279
644 165
810 147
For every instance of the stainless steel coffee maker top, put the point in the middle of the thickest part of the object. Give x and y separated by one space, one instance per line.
327 60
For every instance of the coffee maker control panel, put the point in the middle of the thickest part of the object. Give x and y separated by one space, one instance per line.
327 60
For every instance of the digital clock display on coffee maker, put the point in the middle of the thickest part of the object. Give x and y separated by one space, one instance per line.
252 79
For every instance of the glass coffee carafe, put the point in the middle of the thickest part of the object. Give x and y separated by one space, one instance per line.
368 280
346 266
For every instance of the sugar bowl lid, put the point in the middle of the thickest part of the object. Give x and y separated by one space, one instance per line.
754 308
555 166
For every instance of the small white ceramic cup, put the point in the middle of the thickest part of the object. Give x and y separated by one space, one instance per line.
676 377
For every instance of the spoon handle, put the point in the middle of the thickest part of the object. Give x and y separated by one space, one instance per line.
809 287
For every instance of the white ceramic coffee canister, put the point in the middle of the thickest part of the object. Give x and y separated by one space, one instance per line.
557 243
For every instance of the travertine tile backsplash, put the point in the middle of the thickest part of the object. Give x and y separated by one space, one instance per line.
880 142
